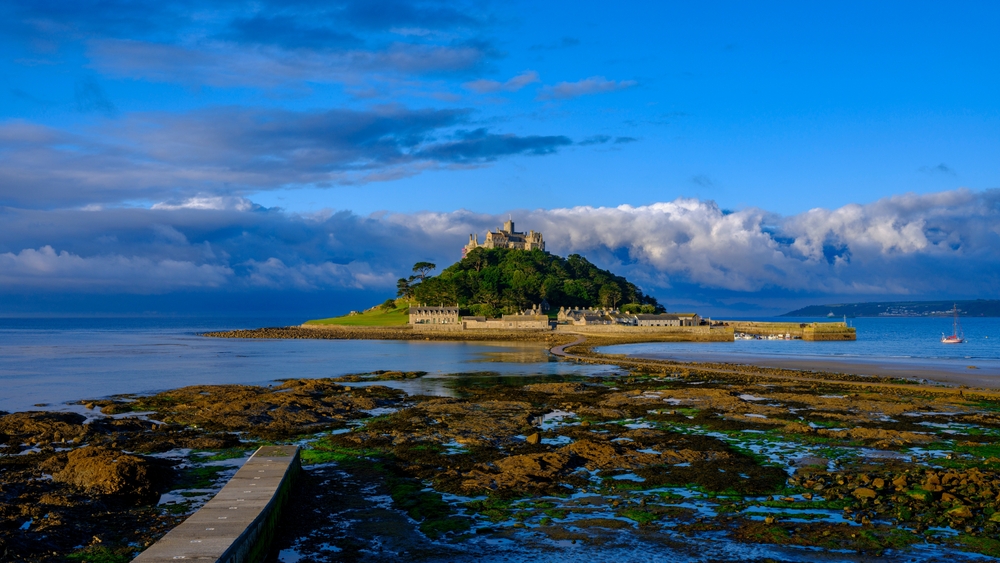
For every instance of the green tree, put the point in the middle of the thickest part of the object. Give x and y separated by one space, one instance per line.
421 269
388 305
403 288
610 295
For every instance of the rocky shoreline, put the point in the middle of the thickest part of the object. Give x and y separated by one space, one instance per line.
673 459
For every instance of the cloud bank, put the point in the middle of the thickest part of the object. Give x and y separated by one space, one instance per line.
231 150
910 245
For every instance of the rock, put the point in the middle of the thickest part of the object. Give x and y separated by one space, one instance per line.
948 497
533 438
769 520
900 482
863 493
960 512
103 471
919 495
878 482
995 517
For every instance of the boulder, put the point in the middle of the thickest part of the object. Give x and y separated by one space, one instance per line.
960 512
863 493
103 471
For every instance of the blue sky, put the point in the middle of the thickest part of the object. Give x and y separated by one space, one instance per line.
775 154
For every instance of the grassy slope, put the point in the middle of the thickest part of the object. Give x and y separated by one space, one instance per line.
371 317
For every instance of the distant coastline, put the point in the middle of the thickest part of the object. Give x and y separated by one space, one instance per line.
967 308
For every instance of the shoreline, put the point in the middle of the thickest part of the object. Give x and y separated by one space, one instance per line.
883 367
919 372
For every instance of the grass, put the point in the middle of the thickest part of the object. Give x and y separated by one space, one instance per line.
101 554
399 316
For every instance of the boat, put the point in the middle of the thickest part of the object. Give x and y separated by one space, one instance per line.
957 336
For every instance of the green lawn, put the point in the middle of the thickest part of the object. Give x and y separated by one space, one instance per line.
374 317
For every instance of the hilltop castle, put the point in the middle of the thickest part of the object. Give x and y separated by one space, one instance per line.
506 237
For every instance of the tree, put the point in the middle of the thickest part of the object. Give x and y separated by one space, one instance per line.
403 288
421 269
388 305
610 294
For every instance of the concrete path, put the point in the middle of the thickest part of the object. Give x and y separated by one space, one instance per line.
237 523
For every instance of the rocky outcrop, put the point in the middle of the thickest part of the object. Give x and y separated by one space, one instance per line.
103 471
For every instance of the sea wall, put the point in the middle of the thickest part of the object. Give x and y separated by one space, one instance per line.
237 525
805 331
678 333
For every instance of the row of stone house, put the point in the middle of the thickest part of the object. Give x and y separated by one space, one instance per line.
584 317
438 317
435 317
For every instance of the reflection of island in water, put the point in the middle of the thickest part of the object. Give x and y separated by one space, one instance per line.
518 354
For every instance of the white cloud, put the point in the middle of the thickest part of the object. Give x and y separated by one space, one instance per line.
45 268
943 243
213 203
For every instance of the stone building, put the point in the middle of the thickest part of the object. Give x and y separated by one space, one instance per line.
669 319
434 315
506 237
585 317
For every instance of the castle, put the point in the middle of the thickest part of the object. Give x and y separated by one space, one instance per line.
506 237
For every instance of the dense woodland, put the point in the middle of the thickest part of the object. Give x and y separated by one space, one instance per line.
496 281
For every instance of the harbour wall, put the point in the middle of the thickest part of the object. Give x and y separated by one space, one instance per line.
237 525
679 333
836 331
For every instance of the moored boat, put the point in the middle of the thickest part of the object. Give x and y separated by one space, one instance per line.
957 336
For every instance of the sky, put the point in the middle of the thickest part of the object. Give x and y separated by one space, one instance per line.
230 157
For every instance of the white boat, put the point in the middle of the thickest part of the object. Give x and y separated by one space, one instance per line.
957 336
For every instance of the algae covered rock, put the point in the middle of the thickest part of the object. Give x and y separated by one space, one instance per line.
104 471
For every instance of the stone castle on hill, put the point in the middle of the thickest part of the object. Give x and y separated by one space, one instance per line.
506 237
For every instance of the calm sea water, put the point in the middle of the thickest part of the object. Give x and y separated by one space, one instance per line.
57 360
52 361
905 341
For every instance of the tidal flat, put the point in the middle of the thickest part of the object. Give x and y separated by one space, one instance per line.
677 464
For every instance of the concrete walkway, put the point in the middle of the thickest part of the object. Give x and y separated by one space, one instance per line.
237 524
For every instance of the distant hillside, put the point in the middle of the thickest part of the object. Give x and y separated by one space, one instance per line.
490 282
977 308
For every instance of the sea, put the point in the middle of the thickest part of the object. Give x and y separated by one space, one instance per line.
49 363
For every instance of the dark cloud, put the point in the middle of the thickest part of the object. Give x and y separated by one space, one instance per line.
595 140
22 95
205 43
224 151
939 169
625 140
703 181
563 43
90 97
514 84
587 86
288 32
479 146
387 14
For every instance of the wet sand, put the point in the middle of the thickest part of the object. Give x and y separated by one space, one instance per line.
986 373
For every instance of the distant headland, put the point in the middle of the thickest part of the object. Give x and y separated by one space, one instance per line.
968 308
